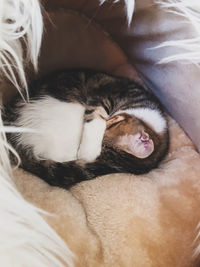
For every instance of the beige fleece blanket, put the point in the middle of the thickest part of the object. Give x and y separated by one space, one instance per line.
118 220
128 220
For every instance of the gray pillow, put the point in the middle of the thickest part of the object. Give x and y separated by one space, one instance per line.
176 84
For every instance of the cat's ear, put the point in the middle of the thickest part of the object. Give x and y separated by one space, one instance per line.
140 145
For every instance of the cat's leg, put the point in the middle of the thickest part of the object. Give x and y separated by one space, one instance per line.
92 135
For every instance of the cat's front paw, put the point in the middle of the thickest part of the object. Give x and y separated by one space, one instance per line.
95 112
89 154
91 143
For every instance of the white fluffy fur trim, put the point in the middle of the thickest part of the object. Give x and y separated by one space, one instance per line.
19 19
190 11
26 239
197 241
130 5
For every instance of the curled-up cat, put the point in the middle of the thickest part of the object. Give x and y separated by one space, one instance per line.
86 124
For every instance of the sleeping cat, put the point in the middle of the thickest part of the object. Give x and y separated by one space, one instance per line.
86 124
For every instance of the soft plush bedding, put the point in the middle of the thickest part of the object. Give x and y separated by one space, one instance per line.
151 27
127 220
122 219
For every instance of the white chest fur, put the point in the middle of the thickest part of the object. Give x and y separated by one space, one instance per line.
58 125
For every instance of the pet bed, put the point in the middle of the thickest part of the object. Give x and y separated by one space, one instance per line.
122 219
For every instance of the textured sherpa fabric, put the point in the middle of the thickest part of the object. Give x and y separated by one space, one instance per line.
117 220
174 27
127 220
25 238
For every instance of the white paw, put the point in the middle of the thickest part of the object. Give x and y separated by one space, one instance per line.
96 113
91 142
89 154
100 112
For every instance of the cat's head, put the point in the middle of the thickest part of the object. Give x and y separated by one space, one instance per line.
132 135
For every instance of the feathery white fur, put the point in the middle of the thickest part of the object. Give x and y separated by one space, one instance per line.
19 19
130 5
190 11
196 241
26 239
40 244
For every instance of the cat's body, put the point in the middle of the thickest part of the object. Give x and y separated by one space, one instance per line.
87 124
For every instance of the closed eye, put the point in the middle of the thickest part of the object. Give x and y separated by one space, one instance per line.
114 124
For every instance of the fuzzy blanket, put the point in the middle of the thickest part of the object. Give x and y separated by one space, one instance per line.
115 220
118 220
127 220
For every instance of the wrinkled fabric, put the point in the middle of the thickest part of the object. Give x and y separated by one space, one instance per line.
175 84
121 219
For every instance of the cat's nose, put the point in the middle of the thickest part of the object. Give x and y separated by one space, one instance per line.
144 136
